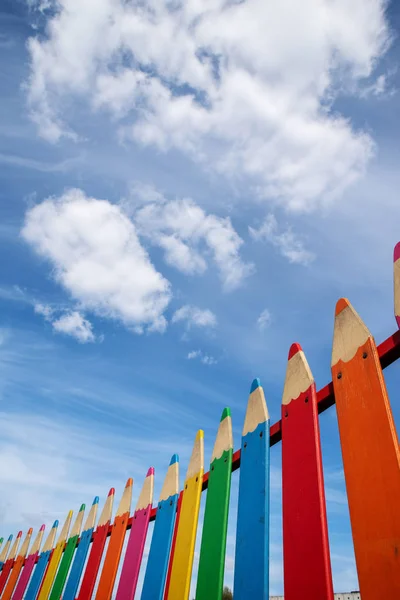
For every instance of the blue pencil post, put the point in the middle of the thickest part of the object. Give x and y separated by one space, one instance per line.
251 579
38 573
157 564
81 553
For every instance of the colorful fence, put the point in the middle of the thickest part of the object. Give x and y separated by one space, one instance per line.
72 567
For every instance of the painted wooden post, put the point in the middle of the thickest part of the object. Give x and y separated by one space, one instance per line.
137 538
55 560
8 565
81 554
4 552
157 563
182 564
210 577
371 455
113 555
306 559
16 570
251 579
29 566
173 545
67 557
40 569
96 553
396 269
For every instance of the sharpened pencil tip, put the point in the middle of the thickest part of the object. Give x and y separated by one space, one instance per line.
83 506
226 413
396 254
255 384
96 500
111 492
294 349
174 459
150 472
129 482
43 527
55 524
341 305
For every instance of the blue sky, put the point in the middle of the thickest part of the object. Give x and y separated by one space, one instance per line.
185 191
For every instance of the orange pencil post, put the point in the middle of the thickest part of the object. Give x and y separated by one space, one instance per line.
371 455
113 555
19 563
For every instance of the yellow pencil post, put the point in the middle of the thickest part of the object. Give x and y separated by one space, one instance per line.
181 571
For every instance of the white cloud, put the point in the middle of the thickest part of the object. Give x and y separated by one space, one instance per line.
287 242
189 236
243 87
264 320
97 257
44 309
194 317
206 359
74 324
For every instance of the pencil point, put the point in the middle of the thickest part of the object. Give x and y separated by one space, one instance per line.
226 413
129 482
341 305
255 384
83 506
111 492
174 459
150 472
43 527
200 434
396 254
294 349
55 524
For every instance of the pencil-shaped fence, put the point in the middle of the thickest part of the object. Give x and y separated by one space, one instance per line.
78 562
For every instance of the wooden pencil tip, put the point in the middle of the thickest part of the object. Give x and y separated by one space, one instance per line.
96 500
150 472
19 534
10 537
55 524
129 483
43 527
174 459
111 492
226 413
200 434
396 254
341 305
30 531
83 506
294 349
256 383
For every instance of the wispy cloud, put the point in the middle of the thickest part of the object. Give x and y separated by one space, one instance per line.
193 316
289 244
206 359
264 320
191 238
